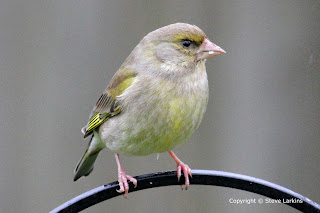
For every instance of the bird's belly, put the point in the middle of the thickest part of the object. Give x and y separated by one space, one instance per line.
164 125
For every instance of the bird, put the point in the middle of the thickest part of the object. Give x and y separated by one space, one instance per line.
154 102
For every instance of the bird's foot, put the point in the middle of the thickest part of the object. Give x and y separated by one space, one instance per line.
184 167
123 182
186 171
123 179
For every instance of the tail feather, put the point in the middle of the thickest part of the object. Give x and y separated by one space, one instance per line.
85 165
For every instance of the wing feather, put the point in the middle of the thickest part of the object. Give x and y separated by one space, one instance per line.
107 105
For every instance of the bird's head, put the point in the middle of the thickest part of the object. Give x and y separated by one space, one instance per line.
175 48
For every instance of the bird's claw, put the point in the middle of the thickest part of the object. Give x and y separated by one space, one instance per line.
123 183
186 172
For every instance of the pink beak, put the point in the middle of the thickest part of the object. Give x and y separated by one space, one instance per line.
208 49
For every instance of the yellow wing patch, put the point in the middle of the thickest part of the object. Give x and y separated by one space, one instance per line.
95 121
121 87
107 105
99 118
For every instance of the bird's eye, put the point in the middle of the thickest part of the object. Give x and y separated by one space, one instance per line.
186 42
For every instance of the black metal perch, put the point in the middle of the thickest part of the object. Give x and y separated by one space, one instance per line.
199 177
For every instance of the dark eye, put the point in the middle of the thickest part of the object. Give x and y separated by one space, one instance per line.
186 42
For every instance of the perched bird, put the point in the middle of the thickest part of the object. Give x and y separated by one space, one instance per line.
154 102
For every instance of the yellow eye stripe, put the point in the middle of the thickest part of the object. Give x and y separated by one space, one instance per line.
197 39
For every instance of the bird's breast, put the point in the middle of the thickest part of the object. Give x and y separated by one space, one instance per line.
159 114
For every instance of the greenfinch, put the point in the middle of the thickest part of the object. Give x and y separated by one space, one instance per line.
154 102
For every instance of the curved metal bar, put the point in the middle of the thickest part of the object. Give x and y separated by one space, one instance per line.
199 177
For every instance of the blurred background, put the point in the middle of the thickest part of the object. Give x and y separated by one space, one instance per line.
263 117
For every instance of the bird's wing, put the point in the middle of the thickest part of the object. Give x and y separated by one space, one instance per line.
107 105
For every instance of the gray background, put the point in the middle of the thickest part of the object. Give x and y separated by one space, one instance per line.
263 118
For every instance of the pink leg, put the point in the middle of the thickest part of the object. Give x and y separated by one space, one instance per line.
185 168
123 178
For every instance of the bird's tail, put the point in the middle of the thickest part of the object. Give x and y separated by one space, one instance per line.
85 165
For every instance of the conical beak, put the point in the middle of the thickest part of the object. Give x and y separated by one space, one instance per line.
208 49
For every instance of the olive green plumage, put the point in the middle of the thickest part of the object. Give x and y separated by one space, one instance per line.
157 98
